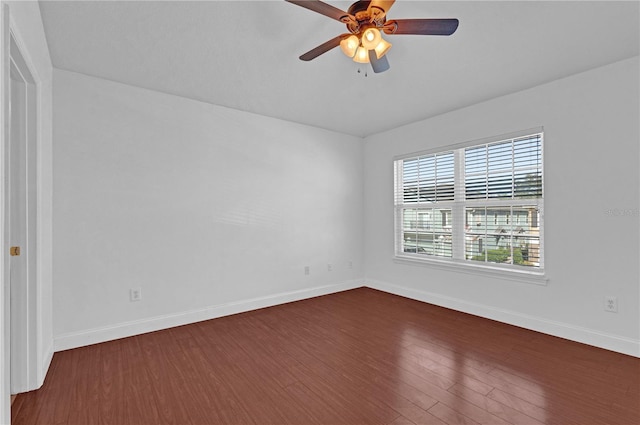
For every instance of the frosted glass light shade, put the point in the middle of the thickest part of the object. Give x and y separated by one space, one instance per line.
378 64
349 45
362 55
370 38
382 48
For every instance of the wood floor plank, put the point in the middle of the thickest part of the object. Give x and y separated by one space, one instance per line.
139 404
269 401
179 384
537 397
542 414
364 375
355 357
494 407
419 416
401 420
453 401
450 416
112 383
85 386
451 371
237 372
317 409
447 357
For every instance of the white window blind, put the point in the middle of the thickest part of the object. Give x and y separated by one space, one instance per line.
507 169
476 204
428 178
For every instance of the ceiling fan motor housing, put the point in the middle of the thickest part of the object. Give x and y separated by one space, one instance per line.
364 19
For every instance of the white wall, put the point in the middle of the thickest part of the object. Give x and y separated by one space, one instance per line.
591 154
211 211
26 24
208 210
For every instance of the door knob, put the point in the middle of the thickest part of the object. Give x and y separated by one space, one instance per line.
14 251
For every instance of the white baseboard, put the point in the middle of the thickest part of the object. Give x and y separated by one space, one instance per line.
123 330
616 343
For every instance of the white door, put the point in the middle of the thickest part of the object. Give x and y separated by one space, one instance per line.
18 229
22 222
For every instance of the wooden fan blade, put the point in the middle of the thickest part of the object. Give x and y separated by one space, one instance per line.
378 65
323 48
325 9
421 26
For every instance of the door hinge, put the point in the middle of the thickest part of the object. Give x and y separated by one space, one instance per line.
14 251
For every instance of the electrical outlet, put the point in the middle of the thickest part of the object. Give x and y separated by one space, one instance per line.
135 294
306 270
329 267
611 304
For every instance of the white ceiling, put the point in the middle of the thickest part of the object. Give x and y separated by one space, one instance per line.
244 54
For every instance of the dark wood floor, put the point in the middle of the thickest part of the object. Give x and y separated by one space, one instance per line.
357 357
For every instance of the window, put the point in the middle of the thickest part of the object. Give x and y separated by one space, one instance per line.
475 204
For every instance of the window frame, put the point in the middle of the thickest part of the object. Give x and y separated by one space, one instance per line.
458 262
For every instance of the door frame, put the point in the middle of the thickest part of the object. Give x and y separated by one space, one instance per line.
31 320
5 340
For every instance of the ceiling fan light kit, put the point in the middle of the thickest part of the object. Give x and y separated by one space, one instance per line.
371 37
365 21
382 48
349 45
362 55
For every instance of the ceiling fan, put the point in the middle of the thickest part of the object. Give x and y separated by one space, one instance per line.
365 20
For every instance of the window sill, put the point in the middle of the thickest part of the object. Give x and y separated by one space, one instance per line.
536 277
